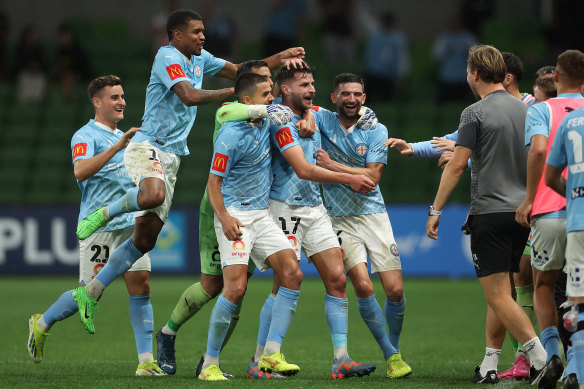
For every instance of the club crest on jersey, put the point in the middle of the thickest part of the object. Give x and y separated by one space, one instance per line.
394 250
197 71
220 162
361 149
284 137
79 150
175 71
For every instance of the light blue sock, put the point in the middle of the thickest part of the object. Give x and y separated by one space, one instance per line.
282 313
336 310
373 317
578 346
120 260
265 320
570 363
550 338
126 203
218 325
394 314
64 307
142 319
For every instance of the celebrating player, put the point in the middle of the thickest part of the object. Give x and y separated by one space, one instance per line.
98 152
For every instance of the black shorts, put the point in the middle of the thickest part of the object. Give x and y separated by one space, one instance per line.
496 242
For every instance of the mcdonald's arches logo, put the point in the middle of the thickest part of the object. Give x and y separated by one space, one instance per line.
284 137
220 162
175 71
79 150
238 245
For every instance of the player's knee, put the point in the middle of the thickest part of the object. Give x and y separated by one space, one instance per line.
336 285
363 287
144 243
213 289
292 278
395 293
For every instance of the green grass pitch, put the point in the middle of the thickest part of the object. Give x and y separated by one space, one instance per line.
443 337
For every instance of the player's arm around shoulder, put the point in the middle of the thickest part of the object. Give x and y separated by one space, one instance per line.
85 163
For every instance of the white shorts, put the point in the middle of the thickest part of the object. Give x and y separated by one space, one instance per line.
575 264
143 160
548 243
96 249
261 238
367 235
306 227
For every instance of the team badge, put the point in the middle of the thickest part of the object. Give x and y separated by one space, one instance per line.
393 249
284 137
361 149
79 150
220 163
175 71
198 71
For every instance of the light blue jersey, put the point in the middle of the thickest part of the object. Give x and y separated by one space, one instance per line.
167 121
567 151
287 187
242 156
538 120
108 184
424 149
356 148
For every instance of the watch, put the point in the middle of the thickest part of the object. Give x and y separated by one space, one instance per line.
433 212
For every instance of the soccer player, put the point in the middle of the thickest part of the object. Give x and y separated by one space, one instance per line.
98 152
153 157
211 284
361 220
543 89
567 151
295 202
544 209
490 133
238 191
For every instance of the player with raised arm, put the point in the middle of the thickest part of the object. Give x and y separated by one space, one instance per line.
566 151
361 220
211 284
296 204
153 157
238 190
542 208
98 152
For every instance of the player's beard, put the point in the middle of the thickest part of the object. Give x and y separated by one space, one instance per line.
347 116
299 104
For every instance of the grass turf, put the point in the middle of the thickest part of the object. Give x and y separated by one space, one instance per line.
442 339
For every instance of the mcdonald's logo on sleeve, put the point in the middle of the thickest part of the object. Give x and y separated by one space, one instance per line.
175 71
79 150
220 162
284 137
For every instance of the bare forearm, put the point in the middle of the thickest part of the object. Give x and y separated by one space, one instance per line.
450 178
535 167
87 168
204 96
216 197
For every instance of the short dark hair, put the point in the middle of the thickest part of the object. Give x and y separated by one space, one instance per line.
545 70
247 66
488 62
344 78
101 82
514 65
179 19
246 84
285 74
571 64
547 86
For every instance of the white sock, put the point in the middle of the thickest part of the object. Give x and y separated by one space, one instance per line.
340 352
167 331
258 353
521 351
145 357
272 347
95 288
210 361
42 325
490 361
536 352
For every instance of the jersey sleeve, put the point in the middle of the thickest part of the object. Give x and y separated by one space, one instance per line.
536 122
284 137
82 146
324 119
377 151
224 153
230 112
468 131
424 149
557 156
168 67
211 65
